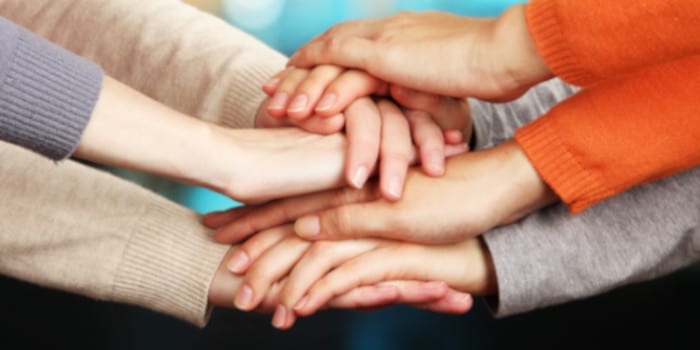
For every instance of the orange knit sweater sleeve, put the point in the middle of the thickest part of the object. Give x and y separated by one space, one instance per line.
619 133
587 41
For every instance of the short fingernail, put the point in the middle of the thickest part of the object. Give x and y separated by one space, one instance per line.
238 263
272 82
394 187
300 305
298 103
327 101
308 226
279 316
244 297
278 101
436 161
360 177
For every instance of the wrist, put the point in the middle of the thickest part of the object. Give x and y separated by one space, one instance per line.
527 190
524 65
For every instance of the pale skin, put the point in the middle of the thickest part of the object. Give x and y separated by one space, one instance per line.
129 130
487 58
305 276
326 91
435 296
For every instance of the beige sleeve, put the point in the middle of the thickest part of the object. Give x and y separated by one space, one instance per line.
72 227
75 228
183 57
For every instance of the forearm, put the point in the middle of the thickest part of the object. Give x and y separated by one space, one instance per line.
170 51
552 257
130 130
585 42
74 228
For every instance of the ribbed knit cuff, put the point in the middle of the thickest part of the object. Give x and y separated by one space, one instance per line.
48 94
546 30
245 95
575 186
168 266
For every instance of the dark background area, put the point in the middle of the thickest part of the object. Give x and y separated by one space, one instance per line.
657 314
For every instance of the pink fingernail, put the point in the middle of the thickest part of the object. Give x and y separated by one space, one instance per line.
279 317
326 102
244 297
360 177
308 226
279 101
394 187
238 263
298 104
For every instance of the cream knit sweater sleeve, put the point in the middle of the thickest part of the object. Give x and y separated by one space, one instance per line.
75 228
171 51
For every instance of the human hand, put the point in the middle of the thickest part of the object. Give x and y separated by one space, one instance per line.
434 296
480 190
373 128
487 58
267 257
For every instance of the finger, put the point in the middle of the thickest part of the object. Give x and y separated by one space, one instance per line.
346 51
308 92
280 100
430 141
270 87
218 219
453 137
395 152
454 302
320 258
448 112
363 129
367 297
348 87
454 150
248 252
322 125
274 264
367 269
282 211
374 219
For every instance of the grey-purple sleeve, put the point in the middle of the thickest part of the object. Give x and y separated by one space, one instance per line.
552 257
47 94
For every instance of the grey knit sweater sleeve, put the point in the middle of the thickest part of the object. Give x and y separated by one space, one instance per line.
552 257
47 94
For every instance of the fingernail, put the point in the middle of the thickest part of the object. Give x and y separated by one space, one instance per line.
272 82
360 177
394 187
327 101
244 297
278 101
279 317
238 263
308 226
300 305
298 103
436 162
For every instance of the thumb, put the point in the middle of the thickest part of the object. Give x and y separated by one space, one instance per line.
345 51
346 222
